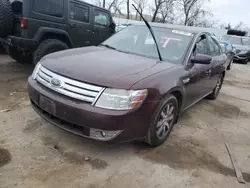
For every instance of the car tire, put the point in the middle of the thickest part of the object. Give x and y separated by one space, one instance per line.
48 46
245 61
6 18
163 121
20 57
217 88
229 67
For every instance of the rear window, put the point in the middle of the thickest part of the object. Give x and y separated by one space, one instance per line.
49 7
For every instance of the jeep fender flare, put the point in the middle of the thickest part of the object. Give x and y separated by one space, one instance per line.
42 31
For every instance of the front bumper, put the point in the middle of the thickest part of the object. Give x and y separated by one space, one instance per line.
81 119
18 42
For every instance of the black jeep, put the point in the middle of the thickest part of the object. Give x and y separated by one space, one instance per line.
31 29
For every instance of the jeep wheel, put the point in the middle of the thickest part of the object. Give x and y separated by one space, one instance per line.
163 121
6 18
21 57
48 46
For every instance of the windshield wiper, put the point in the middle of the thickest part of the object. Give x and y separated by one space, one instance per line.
151 31
108 46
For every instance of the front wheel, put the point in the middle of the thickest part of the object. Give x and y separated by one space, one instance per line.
217 88
163 121
48 46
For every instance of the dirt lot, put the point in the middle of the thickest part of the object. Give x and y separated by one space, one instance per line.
34 153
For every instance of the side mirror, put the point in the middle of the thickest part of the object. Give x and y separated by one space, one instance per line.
201 59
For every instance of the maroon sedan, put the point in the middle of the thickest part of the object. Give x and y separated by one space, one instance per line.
121 91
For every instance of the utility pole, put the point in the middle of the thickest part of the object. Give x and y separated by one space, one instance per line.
103 4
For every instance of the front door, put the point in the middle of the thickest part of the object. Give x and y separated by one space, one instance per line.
198 74
102 25
79 27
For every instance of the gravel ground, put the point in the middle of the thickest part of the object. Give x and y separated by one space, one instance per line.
34 153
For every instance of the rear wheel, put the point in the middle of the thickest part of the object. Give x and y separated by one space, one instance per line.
163 121
217 88
20 56
6 18
48 46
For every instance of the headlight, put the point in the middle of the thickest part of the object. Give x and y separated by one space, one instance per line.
119 99
35 71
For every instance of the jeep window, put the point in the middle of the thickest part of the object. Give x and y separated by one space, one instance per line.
49 7
79 12
102 18
137 40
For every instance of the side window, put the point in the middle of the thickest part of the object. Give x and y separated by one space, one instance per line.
102 18
49 7
201 45
79 12
215 49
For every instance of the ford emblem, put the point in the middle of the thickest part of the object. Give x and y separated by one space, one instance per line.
55 82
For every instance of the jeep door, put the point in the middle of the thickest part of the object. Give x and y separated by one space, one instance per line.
79 26
102 21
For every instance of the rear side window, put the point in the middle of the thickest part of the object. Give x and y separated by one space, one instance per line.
79 12
49 7
101 18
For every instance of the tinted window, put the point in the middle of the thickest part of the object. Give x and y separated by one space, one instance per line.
233 39
201 45
49 7
137 40
245 41
102 18
214 47
79 12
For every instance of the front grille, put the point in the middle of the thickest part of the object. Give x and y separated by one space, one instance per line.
68 87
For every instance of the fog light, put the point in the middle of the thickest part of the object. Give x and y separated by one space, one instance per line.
102 135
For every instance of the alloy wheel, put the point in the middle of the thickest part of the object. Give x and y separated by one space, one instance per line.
165 121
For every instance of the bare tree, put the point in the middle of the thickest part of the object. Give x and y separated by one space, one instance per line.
114 6
192 11
97 2
166 11
157 6
140 5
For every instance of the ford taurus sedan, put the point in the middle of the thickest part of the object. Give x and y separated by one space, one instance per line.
121 90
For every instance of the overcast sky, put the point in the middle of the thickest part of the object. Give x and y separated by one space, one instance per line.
230 11
225 11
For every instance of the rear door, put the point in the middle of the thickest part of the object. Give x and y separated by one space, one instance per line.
218 61
79 26
102 21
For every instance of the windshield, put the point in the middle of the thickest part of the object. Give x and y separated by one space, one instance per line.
233 40
173 44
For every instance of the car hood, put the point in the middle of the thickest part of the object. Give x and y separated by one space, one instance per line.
103 66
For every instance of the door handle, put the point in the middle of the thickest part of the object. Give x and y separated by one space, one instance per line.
73 25
208 72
